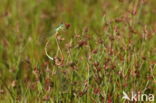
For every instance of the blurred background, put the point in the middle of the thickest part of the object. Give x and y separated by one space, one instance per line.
25 26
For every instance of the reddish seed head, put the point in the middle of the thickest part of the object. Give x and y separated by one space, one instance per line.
125 85
109 100
98 69
100 41
32 86
67 26
82 93
96 64
97 91
106 66
144 58
58 61
46 98
72 65
82 43
118 20
149 77
134 12
95 51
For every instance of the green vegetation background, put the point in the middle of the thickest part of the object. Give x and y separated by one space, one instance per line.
110 47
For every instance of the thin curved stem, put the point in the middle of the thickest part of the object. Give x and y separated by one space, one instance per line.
58 46
51 58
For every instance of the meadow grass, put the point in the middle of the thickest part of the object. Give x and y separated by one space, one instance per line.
105 48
